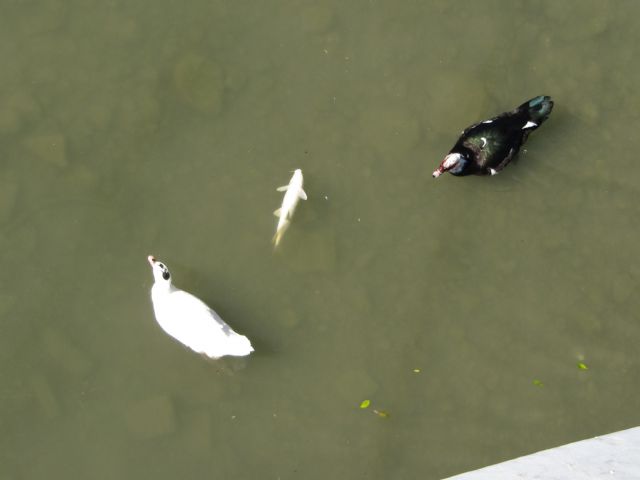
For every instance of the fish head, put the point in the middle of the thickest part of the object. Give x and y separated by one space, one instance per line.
160 271
297 177
452 162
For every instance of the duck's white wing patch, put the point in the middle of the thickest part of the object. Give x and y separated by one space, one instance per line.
493 171
529 125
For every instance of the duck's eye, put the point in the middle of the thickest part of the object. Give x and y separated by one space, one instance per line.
165 274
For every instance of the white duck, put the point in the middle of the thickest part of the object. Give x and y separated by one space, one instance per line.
190 321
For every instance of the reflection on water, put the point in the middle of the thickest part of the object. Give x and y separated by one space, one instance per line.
130 129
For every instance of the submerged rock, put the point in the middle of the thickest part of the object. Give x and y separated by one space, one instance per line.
50 148
199 82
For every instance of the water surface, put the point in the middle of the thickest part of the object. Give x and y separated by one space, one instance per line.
136 128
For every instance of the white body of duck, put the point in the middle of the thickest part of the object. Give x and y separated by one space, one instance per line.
294 192
190 321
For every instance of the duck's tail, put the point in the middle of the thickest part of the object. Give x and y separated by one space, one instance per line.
537 109
235 345
239 346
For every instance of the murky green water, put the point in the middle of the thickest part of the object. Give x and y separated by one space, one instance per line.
130 128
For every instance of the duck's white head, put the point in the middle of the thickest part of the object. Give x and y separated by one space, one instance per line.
160 271
451 162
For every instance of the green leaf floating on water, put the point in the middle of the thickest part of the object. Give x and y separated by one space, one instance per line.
538 383
380 413
582 366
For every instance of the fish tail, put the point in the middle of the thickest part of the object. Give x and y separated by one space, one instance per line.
280 233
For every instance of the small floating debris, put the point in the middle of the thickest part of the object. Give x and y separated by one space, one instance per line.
538 383
380 413
582 366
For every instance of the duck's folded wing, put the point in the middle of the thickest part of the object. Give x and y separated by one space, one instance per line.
490 149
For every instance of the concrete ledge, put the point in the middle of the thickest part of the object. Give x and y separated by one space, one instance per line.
614 456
